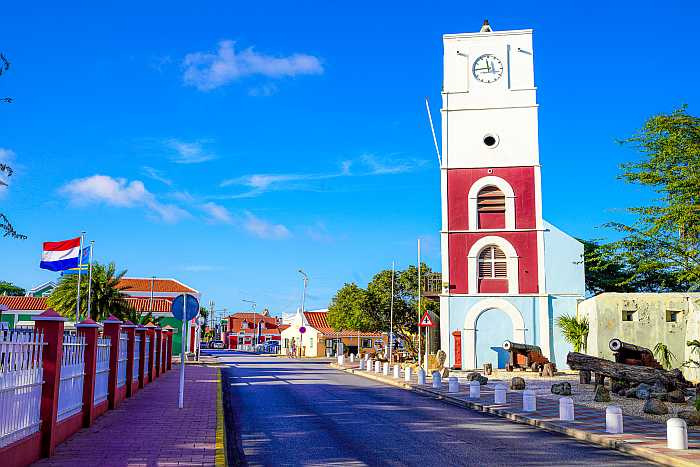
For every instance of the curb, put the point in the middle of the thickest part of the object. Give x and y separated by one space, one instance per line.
221 460
599 440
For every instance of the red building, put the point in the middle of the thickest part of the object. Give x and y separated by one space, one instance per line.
252 328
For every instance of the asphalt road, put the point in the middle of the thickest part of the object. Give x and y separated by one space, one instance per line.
288 412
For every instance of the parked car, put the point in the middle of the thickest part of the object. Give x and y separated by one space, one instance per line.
204 345
217 345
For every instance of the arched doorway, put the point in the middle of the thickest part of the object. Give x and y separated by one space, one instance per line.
493 327
514 323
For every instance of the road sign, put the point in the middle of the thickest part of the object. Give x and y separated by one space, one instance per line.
302 330
192 307
426 322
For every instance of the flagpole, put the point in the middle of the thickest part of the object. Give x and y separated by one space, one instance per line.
419 313
391 315
92 247
80 266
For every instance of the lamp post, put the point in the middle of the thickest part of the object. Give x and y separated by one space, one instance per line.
255 321
303 299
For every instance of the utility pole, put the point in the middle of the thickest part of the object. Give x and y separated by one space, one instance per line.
303 299
255 321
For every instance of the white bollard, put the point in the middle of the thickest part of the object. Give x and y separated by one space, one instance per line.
453 384
362 364
366 356
474 390
341 360
529 400
499 394
385 369
377 367
566 409
352 358
676 433
613 420
421 376
407 374
370 366
437 380
397 371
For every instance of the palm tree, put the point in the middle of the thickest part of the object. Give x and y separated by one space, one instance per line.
575 331
665 356
106 296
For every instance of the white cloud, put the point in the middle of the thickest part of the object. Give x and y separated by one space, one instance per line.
156 175
120 192
207 71
217 213
264 229
188 152
264 90
318 233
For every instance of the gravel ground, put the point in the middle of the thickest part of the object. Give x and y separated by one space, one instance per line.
582 393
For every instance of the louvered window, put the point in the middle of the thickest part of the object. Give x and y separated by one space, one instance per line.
492 263
490 199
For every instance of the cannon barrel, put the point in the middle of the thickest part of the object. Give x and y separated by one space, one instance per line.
510 345
616 345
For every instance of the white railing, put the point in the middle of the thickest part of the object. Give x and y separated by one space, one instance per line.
21 377
70 390
121 361
137 358
146 358
102 370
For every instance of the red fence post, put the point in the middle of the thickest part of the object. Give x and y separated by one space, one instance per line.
141 330
129 329
50 324
159 349
112 329
151 350
88 328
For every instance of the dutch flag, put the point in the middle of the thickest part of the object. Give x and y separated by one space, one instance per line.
59 256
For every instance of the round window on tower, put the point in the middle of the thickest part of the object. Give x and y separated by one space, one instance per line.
491 141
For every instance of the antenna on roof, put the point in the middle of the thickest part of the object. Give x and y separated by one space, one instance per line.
486 27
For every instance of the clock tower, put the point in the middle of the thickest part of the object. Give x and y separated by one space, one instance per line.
494 253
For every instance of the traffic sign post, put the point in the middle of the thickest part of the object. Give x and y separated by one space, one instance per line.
425 321
185 307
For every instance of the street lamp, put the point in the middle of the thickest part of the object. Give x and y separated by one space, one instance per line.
255 319
303 299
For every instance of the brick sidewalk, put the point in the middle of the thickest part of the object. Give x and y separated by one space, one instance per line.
642 437
149 429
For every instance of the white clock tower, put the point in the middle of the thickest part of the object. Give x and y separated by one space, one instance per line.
495 251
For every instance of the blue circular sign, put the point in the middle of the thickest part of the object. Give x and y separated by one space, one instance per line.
192 309
302 330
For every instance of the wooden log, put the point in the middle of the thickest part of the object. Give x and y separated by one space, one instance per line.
634 374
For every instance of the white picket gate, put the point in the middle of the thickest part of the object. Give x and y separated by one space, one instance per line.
70 390
121 361
102 370
21 377
137 358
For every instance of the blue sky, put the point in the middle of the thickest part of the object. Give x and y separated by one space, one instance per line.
228 144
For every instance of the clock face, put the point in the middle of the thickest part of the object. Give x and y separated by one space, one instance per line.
487 68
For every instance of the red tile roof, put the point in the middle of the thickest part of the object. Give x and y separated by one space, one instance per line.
318 320
24 303
143 284
160 304
236 322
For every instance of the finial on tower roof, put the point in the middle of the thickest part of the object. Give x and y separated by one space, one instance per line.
485 27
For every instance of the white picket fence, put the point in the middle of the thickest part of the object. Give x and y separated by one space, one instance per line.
70 390
121 361
102 370
21 377
137 358
147 357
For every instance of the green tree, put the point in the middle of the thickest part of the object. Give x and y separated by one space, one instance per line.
8 288
369 310
663 243
664 355
106 296
575 331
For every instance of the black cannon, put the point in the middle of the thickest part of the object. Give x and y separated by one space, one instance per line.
631 354
524 356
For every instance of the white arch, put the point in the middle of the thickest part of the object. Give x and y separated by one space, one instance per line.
502 185
469 334
473 265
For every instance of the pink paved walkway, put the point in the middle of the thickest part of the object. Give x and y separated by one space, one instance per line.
149 430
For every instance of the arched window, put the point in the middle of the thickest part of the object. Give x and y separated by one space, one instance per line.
491 208
493 270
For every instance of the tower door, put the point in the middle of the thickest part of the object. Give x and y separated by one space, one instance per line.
493 327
